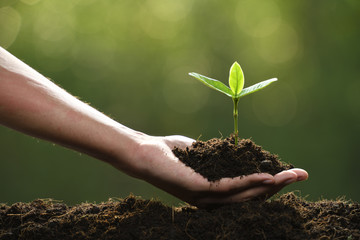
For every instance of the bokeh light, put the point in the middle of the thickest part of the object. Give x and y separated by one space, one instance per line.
10 22
30 2
280 46
258 18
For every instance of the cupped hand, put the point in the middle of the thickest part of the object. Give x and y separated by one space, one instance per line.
160 167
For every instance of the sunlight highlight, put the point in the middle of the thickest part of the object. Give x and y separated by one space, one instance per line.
281 46
30 2
258 19
169 10
10 23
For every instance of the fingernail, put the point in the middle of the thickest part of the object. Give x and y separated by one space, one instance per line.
268 181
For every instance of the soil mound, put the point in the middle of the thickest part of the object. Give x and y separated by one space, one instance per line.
220 158
287 217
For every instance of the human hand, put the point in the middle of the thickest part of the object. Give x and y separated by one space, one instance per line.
162 169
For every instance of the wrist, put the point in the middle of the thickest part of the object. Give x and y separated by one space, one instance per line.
125 150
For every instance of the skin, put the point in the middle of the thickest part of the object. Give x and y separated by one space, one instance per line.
34 105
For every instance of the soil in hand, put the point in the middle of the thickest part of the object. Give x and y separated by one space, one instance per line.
288 217
220 158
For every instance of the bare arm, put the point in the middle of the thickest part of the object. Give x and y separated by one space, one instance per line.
32 104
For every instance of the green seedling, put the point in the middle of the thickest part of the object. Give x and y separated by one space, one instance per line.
236 89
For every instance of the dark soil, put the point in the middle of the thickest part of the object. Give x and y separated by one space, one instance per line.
283 217
220 158
287 217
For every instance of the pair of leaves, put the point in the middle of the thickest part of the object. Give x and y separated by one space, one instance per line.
236 83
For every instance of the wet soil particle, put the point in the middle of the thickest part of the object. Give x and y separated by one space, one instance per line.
220 158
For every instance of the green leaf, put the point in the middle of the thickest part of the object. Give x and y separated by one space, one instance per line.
255 87
236 79
215 84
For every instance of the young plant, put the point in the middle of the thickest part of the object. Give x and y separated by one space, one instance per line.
236 90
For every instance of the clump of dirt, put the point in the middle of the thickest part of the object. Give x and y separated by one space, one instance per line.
287 217
220 158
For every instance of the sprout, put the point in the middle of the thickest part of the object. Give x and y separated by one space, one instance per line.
236 90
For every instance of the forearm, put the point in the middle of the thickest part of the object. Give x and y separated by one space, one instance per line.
32 104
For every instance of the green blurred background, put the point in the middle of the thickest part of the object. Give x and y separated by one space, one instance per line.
130 59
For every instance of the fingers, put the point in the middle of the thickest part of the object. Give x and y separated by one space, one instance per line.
285 178
282 179
238 184
229 190
242 196
301 174
252 186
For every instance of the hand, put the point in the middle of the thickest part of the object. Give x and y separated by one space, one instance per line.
162 169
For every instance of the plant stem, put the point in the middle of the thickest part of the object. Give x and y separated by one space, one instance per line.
236 130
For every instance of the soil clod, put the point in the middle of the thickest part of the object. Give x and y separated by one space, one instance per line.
221 158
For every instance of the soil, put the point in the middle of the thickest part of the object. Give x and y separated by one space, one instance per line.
286 217
220 158
283 217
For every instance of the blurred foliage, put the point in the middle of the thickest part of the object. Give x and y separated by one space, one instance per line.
130 59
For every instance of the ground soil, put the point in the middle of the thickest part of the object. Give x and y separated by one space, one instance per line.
283 217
